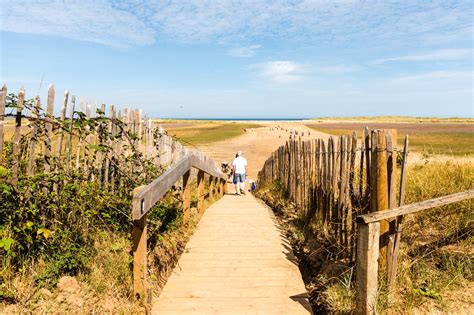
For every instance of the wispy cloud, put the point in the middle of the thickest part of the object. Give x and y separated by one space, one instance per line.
244 52
338 69
464 77
281 71
92 21
439 55
119 22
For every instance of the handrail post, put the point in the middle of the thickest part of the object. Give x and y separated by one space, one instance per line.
216 187
186 195
367 267
211 188
200 191
139 251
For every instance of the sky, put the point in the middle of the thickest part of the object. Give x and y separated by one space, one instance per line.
245 59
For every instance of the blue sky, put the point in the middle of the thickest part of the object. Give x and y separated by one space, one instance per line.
239 59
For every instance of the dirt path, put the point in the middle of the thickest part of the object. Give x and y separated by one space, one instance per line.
257 144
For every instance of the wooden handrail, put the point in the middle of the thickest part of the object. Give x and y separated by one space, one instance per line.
415 207
146 197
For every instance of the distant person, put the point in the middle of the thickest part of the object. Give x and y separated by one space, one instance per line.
253 186
239 165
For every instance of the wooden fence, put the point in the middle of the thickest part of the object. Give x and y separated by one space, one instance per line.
108 147
344 187
336 180
369 239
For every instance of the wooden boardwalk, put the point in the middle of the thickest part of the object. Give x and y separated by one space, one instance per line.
237 262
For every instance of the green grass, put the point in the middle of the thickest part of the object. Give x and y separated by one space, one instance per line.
205 133
396 119
424 141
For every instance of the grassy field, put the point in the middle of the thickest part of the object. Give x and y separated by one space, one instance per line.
456 139
203 132
394 119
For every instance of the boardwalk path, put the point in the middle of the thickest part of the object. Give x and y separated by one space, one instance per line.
237 262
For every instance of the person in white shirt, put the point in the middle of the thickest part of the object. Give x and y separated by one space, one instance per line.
240 169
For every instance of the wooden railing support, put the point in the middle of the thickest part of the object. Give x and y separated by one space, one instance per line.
186 196
211 188
139 253
200 191
367 267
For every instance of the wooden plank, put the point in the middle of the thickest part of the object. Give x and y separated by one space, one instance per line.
3 98
48 129
17 137
34 131
416 207
367 267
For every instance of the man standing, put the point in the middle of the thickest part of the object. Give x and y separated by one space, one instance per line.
240 169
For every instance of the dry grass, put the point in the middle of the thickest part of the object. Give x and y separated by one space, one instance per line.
436 255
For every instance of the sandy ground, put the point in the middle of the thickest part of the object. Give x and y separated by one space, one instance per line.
257 144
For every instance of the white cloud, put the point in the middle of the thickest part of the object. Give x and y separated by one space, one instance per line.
93 21
244 52
119 22
281 71
439 55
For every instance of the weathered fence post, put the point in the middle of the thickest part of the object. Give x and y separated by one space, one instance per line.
34 130
48 129
139 250
3 97
211 188
367 267
17 136
200 191
186 196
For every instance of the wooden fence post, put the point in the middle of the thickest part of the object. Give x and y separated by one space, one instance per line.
139 251
34 130
186 196
211 188
382 193
3 98
17 136
48 129
61 133
367 267
70 132
200 191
